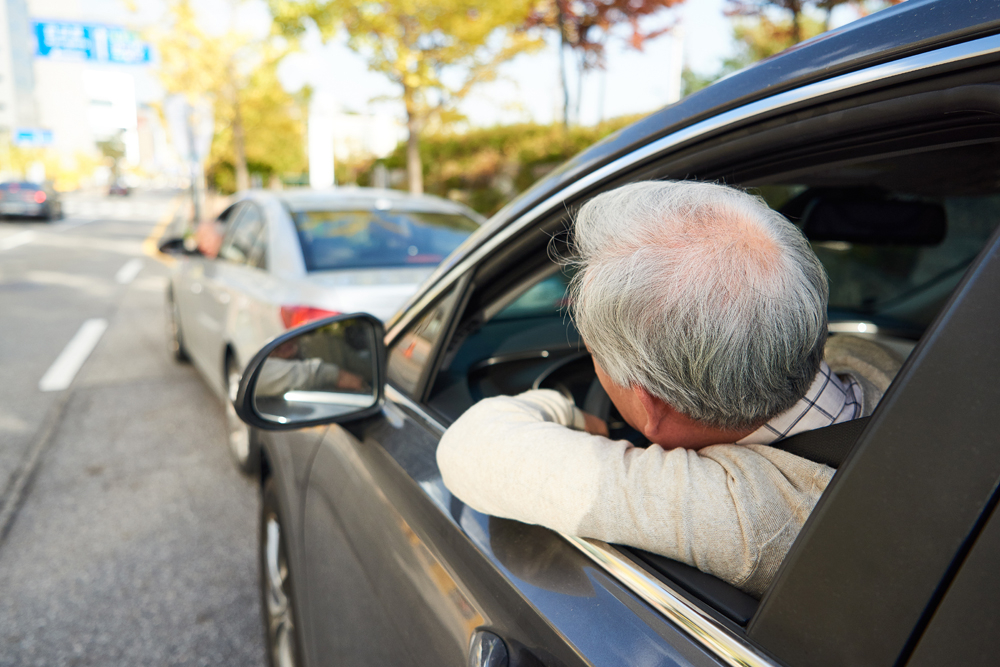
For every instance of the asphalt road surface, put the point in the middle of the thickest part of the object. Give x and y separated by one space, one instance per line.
128 536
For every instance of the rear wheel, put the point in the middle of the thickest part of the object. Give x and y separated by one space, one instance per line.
242 441
276 584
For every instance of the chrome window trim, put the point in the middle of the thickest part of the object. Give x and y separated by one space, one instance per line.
858 326
723 643
397 396
808 93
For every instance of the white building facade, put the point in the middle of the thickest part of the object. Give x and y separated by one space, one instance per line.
73 75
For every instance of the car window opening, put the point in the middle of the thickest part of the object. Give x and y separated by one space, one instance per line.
893 256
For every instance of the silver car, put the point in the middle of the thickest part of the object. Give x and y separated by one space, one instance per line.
279 259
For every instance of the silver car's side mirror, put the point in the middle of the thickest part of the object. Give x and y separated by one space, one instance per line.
179 245
324 372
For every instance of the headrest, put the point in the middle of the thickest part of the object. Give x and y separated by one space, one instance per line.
866 216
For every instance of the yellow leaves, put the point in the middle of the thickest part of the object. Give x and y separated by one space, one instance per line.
436 50
234 70
433 48
764 37
479 169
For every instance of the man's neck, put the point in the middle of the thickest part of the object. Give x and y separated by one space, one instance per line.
687 433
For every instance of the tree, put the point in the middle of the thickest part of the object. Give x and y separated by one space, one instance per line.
797 13
764 37
585 26
113 148
764 28
436 51
238 73
273 122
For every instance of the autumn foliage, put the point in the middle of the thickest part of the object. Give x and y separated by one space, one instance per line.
487 167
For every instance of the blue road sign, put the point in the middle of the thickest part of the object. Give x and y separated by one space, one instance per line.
32 137
82 41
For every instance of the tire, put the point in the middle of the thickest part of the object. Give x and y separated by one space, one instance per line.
276 593
242 439
175 338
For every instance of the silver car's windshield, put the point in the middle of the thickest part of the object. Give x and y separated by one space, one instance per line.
369 239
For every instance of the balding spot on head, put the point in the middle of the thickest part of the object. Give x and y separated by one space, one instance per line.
703 296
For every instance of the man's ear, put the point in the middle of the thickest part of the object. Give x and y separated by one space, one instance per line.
657 410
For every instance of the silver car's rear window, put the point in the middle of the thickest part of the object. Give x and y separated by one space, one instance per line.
377 239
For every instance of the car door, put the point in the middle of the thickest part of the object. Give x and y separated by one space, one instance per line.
359 547
424 572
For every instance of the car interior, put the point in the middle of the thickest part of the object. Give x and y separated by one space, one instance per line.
895 233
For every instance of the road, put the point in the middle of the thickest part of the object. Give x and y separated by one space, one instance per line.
132 540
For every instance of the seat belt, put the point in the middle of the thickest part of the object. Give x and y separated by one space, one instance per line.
829 445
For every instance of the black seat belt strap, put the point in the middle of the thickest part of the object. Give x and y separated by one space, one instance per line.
829 445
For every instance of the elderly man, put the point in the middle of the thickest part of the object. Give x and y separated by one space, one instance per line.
705 312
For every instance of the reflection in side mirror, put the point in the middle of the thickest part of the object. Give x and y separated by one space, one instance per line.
326 371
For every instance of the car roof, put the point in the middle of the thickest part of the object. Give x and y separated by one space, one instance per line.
22 184
353 198
907 29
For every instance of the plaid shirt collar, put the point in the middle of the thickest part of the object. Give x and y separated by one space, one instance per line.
829 400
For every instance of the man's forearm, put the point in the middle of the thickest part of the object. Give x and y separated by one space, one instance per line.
515 457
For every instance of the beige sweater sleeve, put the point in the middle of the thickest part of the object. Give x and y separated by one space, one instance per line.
729 510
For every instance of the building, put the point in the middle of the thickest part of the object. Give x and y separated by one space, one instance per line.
73 76
17 82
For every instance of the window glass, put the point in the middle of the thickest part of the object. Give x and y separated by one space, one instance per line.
370 239
895 234
905 284
411 354
239 242
505 345
543 299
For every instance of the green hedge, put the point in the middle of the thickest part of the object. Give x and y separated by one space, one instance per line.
485 168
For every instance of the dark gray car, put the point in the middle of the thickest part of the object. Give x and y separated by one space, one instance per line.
881 141
27 199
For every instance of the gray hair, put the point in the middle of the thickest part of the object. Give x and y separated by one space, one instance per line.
703 296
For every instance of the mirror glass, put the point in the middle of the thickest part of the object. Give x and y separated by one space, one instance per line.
322 373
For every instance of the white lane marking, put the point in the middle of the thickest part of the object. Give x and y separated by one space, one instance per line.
16 240
129 271
65 367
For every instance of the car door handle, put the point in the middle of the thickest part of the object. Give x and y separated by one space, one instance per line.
487 650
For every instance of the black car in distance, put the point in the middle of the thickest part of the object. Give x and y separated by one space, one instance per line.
882 141
24 198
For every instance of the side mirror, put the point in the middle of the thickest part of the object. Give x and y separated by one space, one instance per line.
183 245
325 372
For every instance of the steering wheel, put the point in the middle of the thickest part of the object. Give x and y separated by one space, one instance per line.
597 402
574 377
